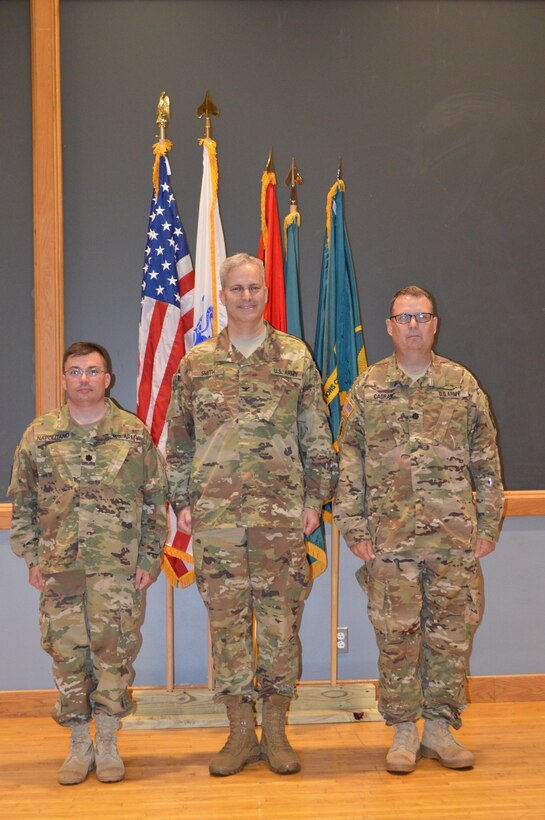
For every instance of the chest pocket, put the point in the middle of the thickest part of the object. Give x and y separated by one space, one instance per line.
215 400
450 429
272 399
111 455
59 461
385 426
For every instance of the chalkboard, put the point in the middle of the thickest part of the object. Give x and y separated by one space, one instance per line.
437 109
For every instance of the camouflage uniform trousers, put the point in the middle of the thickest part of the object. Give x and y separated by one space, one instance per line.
245 570
90 625
424 606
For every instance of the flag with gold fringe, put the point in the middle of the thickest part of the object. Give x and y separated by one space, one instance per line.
315 543
166 325
209 314
294 324
270 252
339 348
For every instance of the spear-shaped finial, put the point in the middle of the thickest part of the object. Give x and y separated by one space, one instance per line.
269 168
207 109
340 169
163 113
293 179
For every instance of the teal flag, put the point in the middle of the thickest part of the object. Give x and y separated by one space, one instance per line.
338 349
294 324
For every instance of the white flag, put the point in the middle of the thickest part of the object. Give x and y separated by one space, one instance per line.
209 314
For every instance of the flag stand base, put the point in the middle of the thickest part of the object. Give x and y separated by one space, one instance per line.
193 706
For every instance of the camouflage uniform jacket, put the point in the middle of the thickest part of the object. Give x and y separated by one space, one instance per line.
88 496
409 454
249 443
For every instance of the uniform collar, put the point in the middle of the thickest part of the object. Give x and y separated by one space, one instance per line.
437 375
269 350
65 420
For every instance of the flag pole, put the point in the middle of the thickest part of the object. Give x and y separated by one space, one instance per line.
335 541
207 109
335 549
293 179
163 116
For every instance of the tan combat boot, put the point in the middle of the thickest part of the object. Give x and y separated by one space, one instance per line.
439 744
242 745
404 753
80 759
110 767
275 746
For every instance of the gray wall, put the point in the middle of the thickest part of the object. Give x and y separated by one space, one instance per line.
509 640
437 111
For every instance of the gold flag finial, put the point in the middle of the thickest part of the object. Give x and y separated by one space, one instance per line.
163 113
340 169
207 109
293 179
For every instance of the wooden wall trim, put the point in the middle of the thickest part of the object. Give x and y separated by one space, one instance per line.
48 206
525 502
5 516
517 502
480 689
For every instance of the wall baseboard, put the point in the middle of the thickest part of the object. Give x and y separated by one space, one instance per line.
481 689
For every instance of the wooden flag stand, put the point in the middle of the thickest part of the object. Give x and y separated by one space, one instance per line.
194 706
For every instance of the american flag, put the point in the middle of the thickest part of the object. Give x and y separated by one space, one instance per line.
165 334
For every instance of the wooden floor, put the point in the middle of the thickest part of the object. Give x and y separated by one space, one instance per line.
343 774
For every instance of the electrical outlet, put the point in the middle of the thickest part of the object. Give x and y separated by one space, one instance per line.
342 639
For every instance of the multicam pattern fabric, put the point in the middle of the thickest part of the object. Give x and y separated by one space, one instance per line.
90 625
249 442
257 569
424 608
409 454
88 497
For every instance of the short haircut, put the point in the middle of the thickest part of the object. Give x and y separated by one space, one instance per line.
413 290
237 261
84 349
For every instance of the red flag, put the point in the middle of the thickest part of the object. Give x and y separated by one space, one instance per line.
270 252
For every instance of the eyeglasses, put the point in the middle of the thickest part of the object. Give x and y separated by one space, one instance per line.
77 372
405 318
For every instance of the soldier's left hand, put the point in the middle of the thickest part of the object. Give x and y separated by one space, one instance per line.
143 579
483 547
311 519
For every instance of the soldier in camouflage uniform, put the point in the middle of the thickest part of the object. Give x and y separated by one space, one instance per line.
249 462
416 436
89 518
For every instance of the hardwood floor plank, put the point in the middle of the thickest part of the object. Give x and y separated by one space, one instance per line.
343 774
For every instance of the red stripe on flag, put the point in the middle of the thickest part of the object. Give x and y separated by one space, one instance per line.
163 396
146 378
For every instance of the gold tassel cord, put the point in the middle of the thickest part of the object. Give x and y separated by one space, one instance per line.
210 145
337 186
289 220
159 149
267 179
